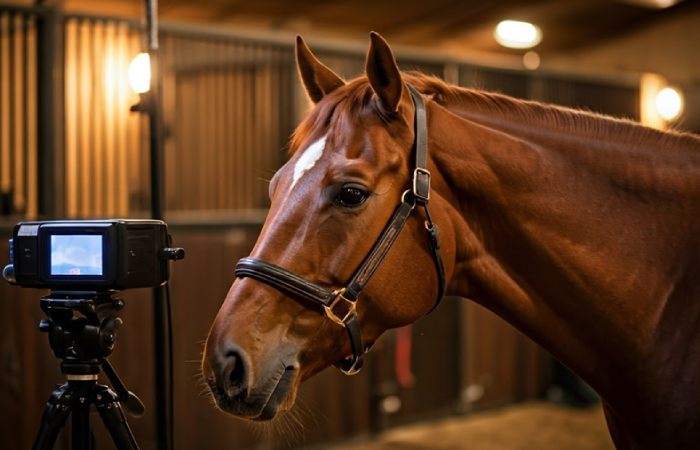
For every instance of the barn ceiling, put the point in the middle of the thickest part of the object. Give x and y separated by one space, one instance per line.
458 26
451 24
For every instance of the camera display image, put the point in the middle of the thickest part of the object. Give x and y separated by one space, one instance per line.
76 255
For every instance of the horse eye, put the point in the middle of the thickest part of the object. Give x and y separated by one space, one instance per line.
351 197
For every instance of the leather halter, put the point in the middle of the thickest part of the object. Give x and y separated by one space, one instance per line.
340 304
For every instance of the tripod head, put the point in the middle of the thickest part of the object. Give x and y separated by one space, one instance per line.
82 328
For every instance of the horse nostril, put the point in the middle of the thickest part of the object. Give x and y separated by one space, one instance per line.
237 375
233 373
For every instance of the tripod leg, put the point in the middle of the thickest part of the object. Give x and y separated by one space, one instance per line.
113 417
81 436
57 409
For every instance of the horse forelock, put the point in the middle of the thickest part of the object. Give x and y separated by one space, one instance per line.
334 114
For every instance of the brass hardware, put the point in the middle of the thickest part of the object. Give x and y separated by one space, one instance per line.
423 196
338 297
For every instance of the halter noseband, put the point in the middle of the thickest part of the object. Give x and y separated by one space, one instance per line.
339 305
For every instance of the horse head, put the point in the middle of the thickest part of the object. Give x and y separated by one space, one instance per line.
292 310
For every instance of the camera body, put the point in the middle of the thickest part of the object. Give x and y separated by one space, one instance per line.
84 255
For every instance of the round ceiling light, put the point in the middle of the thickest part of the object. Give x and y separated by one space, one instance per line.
517 34
669 103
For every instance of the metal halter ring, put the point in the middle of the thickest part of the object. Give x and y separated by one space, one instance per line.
338 296
407 194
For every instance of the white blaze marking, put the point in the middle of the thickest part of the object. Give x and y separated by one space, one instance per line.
308 159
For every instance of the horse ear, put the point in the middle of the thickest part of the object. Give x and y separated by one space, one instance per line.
383 73
318 79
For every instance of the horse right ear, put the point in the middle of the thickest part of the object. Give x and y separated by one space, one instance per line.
318 79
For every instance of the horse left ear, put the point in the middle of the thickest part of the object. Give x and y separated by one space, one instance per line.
383 73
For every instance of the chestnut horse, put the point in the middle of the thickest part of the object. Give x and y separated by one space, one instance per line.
580 230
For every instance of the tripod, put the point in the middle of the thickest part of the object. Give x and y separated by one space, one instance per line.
82 331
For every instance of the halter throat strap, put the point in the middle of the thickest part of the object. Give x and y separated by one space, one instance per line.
339 305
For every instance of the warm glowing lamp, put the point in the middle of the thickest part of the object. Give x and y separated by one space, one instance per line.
669 103
139 73
517 34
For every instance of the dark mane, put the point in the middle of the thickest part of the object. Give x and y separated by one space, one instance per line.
357 97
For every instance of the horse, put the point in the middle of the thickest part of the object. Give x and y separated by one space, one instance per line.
581 230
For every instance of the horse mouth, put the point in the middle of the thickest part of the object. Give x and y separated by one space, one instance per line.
278 396
263 405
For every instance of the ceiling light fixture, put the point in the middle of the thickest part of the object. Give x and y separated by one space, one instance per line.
669 103
517 34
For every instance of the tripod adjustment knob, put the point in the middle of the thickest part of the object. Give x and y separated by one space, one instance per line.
44 326
134 405
108 332
8 273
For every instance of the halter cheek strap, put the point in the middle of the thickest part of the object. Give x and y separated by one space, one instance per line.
339 305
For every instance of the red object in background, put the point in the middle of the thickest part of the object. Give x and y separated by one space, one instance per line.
402 358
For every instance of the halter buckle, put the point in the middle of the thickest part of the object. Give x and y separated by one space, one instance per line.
421 184
349 304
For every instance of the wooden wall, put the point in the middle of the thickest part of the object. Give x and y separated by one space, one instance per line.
453 348
18 114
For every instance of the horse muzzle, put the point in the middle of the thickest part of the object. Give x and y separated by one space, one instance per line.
240 390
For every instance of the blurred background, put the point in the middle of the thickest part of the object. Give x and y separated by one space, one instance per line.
71 148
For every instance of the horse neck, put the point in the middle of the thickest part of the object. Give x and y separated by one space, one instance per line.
584 241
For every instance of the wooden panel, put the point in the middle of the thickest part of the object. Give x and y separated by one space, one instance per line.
230 122
5 164
18 106
106 166
31 120
501 365
18 114
434 363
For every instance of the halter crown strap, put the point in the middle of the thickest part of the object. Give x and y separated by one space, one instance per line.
339 305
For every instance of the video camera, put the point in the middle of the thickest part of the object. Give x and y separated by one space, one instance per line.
99 255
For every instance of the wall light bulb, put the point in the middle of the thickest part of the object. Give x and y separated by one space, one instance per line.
139 73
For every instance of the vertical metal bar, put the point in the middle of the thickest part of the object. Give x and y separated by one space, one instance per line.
154 116
51 111
134 143
168 118
164 416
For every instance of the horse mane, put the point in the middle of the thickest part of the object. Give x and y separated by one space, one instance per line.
357 97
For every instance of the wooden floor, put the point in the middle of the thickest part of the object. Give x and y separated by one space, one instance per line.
529 426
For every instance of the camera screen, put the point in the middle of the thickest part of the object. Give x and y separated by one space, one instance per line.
76 255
